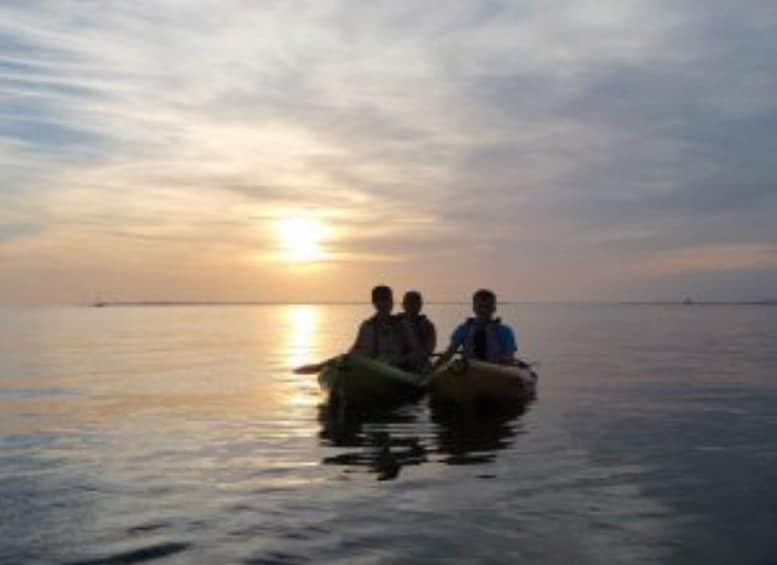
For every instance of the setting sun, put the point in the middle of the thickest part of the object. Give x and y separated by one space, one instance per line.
300 239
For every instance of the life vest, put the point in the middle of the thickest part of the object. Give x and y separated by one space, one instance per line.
491 344
420 326
382 339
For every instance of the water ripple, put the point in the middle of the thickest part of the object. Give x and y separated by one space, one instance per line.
139 555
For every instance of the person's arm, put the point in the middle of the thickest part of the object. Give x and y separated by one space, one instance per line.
509 345
445 357
457 340
431 339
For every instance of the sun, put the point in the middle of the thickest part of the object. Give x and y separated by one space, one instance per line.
300 239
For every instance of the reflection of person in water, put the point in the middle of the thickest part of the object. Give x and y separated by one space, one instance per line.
378 452
462 439
471 439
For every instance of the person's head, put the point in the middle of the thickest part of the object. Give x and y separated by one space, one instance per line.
484 304
383 299
412 302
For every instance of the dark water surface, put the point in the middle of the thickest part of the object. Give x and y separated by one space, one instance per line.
179 435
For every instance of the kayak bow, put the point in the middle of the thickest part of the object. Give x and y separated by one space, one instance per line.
359 380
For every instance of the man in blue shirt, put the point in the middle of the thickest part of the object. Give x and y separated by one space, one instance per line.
482 337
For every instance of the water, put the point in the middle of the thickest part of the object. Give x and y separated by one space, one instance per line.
179 435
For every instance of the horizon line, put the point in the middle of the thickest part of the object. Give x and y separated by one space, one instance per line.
683 302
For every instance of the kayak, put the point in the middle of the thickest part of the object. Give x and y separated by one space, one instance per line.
474 383
359 380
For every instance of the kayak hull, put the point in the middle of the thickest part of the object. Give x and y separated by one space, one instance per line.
476 384
356 380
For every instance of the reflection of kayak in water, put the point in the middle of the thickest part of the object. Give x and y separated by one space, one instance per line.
473 384
477 436
357 380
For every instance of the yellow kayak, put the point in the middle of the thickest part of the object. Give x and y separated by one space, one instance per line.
472 382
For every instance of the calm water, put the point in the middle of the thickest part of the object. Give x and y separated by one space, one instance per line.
179 435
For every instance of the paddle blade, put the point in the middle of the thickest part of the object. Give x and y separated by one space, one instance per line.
312 369
315 368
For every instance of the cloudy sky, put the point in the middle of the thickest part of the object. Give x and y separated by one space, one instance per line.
293 150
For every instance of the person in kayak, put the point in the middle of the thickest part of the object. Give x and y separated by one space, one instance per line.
483 337
383 336
423 331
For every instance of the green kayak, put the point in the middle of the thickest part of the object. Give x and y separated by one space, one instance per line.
359 380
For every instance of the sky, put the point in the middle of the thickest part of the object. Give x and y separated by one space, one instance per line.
306 150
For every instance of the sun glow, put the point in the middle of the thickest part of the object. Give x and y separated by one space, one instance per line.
300 239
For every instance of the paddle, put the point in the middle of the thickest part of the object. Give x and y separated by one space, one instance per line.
315 368
517 362
525 364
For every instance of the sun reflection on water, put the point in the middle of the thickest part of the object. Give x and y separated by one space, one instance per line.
302 346
303 322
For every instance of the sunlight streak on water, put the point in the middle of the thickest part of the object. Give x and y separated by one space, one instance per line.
303 329
303 326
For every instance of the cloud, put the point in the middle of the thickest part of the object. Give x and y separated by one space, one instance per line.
492 133
10 232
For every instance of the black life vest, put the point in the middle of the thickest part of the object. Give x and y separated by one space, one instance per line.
420 326
385 342
482 341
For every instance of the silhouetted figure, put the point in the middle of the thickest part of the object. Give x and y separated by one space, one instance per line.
423 331
483 337
383 336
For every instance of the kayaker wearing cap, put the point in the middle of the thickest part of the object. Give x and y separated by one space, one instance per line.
422 329
383 336
483 337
